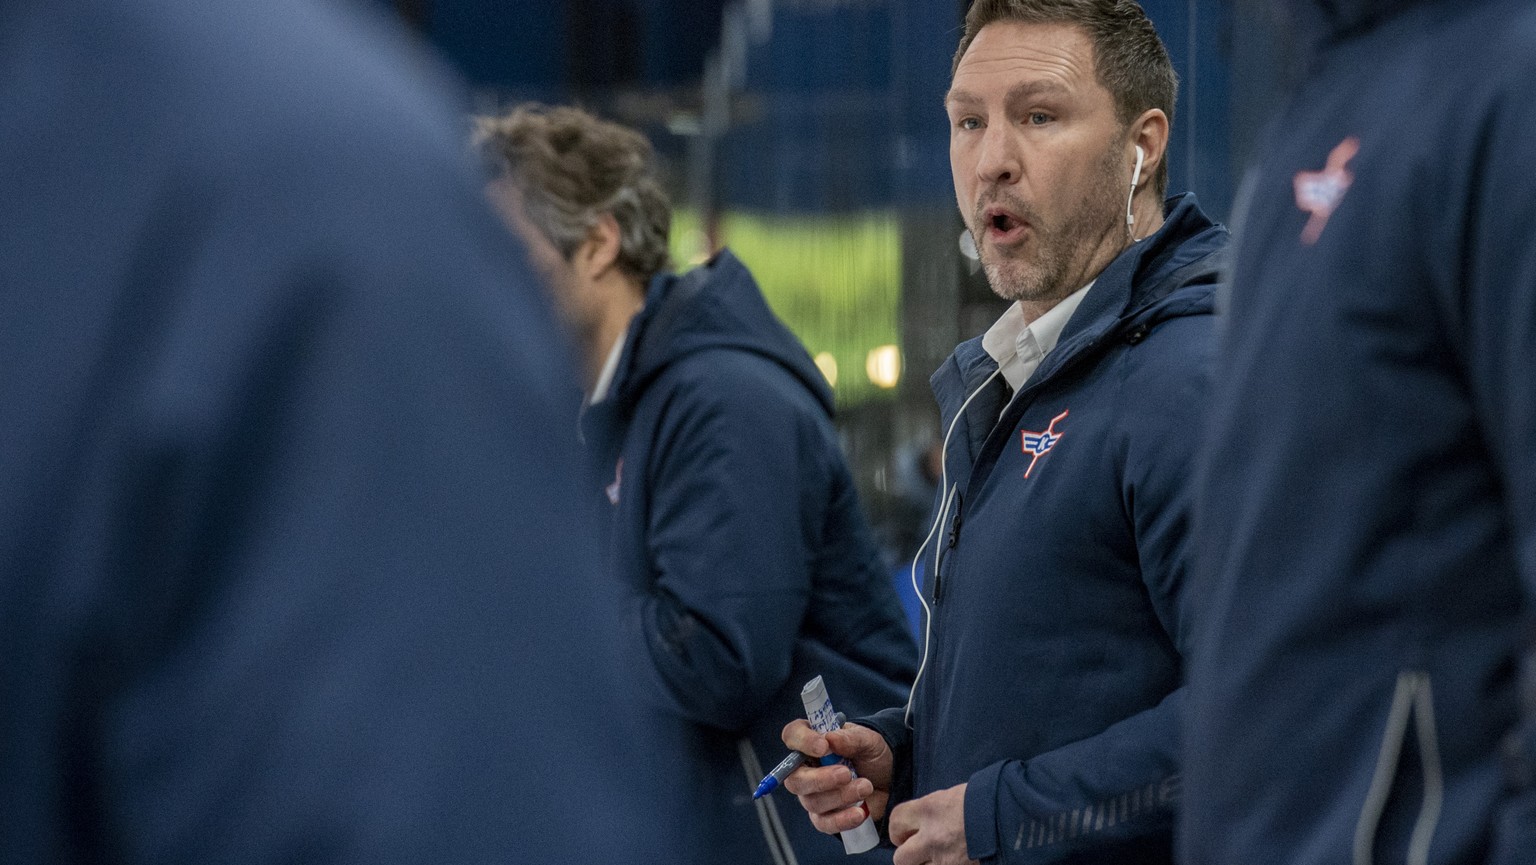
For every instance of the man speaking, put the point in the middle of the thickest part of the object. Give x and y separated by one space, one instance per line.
1043 725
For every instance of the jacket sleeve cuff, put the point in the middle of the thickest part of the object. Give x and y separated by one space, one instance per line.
981 813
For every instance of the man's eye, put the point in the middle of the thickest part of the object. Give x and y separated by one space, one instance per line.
969 123
1039 118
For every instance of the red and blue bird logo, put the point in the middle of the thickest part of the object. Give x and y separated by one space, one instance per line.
1038 444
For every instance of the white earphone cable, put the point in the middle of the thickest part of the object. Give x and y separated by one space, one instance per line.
945 500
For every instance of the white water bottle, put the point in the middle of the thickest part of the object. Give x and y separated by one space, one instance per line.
824 719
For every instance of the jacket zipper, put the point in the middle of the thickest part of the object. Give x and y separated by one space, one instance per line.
950 541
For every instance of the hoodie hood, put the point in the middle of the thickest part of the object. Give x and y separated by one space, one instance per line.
1171 273
716 305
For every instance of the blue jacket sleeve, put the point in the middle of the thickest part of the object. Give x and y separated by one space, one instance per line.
737 485
1114 793
1500 330
1497 323
1108 793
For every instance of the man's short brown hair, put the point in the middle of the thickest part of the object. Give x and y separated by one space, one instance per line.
570 168
1129 59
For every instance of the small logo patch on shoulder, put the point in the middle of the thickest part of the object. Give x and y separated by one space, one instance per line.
1319 192
1038 444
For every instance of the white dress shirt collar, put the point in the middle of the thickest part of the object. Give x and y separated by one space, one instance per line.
610 368
1018 348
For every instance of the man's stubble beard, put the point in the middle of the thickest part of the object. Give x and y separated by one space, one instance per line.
1058 253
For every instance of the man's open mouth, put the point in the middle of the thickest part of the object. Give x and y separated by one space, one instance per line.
1003 226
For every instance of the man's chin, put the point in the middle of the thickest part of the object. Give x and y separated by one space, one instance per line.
1016 282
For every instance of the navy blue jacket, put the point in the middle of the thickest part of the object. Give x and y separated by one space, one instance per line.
1059 606
746 560
292 567
1368 514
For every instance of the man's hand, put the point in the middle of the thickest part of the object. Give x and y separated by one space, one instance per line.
830 794
931 829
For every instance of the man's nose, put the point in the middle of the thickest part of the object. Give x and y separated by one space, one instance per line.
999 160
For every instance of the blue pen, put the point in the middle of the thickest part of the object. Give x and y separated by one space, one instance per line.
789 764
779 773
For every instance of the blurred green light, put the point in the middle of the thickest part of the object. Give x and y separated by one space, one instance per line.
834 280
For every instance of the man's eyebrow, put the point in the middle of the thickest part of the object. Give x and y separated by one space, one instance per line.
1037 87
1022 90
962 97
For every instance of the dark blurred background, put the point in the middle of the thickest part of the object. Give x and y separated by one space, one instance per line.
809 135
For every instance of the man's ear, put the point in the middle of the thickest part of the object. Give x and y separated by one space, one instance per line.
1150 133
599 253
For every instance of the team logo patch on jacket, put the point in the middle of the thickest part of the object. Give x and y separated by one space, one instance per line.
1319 192
1038 444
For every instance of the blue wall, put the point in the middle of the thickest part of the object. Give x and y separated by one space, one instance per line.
517 46
675 36
850 95
843 105
1197 36
851 109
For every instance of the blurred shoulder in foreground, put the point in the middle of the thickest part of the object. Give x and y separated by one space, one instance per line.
292 543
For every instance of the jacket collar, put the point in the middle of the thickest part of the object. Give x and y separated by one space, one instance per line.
715 305
1121 290
1133 290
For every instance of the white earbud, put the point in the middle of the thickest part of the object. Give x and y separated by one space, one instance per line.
946 498
968 245
1130 218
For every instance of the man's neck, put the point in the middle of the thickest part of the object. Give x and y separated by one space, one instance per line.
626 298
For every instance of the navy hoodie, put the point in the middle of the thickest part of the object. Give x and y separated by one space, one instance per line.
1368 508
1059 608
747 564
292 567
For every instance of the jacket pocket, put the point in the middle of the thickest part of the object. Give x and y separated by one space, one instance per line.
1412 713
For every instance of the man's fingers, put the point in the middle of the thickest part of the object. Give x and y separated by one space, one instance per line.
830 794
834 800
838 821
903 824
856 743
810 780
876 803
931 829
913 852
798 736
866 749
